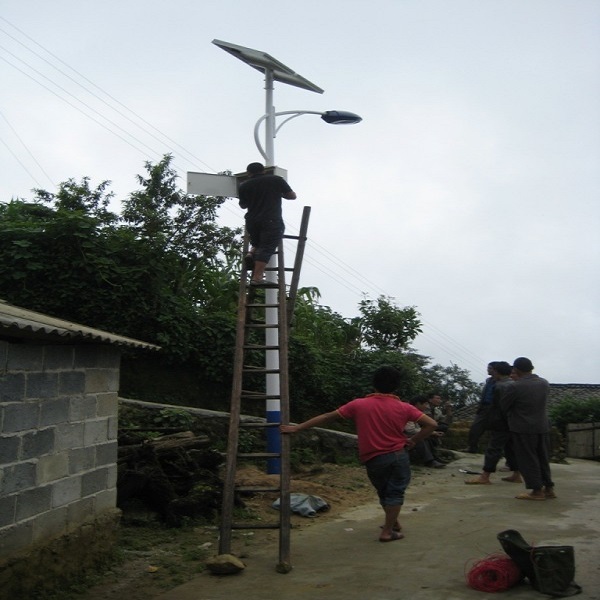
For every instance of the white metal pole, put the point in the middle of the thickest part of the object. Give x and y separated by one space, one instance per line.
270 119
273 405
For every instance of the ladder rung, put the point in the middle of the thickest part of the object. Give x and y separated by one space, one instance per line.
255 526
262 326
258 425
251 369
262 305
254 489
259 455
257 347
295 237
259 395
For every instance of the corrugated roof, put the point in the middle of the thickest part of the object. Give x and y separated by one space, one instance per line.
19 322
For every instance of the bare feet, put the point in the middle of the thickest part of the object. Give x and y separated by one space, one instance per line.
396 535
534 495
513 479
481 480
397 527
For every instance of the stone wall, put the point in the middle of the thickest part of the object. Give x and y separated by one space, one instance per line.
58 450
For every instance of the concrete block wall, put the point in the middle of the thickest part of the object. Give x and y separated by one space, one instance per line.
58 440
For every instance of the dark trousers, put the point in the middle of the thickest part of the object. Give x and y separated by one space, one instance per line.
500 445
478 428
533 456
422 453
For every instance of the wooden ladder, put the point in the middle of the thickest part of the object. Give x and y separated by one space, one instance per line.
250 361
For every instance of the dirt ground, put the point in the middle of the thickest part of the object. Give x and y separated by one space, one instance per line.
154 560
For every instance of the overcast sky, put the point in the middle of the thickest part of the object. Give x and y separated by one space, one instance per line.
470 190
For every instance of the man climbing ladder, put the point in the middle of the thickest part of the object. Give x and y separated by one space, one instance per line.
261 195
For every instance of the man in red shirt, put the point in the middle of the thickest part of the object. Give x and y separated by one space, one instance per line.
380 419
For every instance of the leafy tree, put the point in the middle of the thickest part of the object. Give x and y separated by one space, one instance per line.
453 383
320 326
165 272
385 326
571 410
321 343
342 354
184 227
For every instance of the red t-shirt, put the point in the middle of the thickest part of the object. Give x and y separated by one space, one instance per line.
380 420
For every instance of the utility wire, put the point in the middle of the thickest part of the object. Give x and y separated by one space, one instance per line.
28 151
434 335
165 136
331 273
21 163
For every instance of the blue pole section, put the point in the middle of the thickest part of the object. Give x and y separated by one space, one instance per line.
273 442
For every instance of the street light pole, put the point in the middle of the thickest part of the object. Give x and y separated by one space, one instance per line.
274 70
269 153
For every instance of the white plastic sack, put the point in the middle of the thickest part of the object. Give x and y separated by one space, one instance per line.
304 505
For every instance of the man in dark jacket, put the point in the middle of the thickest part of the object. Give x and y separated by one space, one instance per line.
261 195
525 405
480 422
499 443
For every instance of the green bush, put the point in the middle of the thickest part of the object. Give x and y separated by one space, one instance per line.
571 410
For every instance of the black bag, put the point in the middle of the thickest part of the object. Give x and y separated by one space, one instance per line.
550 569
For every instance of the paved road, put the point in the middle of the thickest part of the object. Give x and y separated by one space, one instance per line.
448 525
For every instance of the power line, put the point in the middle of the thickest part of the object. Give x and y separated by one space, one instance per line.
165 136
340 267
445 342
28 151
20 162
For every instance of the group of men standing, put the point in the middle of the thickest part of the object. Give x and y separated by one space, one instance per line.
513 408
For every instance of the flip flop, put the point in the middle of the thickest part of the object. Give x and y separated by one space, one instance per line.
477 482
512 480
528 496
396 535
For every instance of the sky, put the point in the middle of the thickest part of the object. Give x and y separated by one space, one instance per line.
470 190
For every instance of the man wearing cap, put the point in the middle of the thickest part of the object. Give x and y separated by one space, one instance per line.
525 404
261 195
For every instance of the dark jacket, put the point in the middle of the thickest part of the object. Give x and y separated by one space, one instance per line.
497 420
525 405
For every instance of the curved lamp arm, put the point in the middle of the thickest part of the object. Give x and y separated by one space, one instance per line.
333 117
